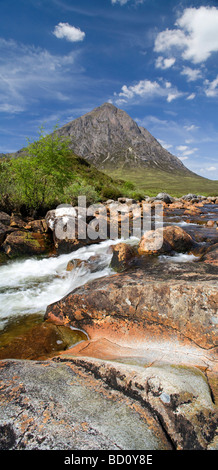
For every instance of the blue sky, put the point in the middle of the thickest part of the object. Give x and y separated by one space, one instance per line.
157 60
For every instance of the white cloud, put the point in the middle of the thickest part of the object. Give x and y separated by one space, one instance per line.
123 2
148 89
182 158
191 128
196 34
185 151
181 148
164 144
211 89
174 95
68 32
163 64
192 74
211 168
191 97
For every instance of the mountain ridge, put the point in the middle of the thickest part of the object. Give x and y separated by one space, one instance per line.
108 137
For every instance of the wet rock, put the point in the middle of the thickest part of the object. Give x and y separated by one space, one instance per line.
211 255
92 264
40 341
161 304
122 256
21 243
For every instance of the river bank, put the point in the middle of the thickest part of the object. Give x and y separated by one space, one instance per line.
136 328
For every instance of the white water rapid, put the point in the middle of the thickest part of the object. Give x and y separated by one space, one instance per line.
29 286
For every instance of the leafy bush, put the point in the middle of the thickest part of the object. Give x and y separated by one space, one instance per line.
81 188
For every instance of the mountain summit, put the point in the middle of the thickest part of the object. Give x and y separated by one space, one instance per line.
109 139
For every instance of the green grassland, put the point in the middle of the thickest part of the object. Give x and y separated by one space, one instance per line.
153 181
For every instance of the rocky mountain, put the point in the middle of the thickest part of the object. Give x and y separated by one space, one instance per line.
109 138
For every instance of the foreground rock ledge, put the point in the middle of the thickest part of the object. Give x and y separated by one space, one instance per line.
168 304
82 403
48 405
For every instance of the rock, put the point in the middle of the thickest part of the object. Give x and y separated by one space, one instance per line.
164 240
122 255
17 222
178 396
3 232
37 226
189 196
5 218
169 307
71 228
20 243
211 255
92 264
59 406
164 197
211 223
41 341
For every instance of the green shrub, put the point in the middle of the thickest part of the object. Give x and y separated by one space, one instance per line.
81 188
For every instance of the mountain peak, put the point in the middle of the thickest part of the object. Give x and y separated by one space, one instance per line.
109 138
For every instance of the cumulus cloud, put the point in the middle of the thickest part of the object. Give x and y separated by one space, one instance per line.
163 64
191 97
68 32
196 34
148 89
192 74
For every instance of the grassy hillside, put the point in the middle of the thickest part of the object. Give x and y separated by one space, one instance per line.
152 181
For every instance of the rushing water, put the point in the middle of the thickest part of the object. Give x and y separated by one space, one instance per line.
29 286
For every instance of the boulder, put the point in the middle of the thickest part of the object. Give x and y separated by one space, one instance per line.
5 218
92 264
164 197
20 243
166 305
3 232
71 228
211 255
122 255
37 226
165 240
17 222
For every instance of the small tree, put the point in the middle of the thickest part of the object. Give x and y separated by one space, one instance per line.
43 170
